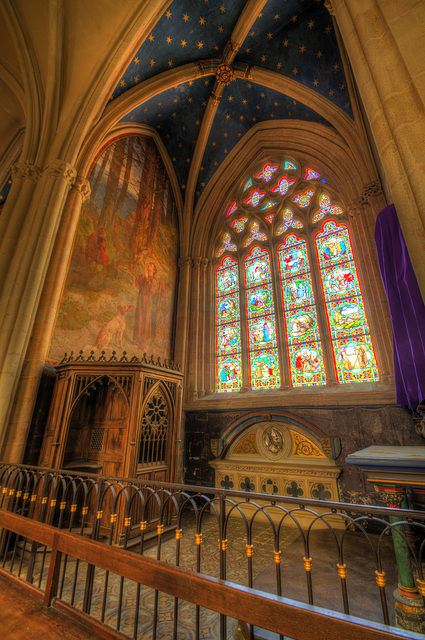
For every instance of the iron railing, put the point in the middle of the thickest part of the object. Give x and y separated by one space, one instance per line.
242 537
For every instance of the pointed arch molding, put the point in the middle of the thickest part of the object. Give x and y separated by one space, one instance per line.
221 446
309 142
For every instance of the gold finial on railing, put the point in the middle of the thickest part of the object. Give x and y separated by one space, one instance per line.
223 545
307 564
277 555
342 570
12 491
127 521
179 534
44 500
4 490
62 506
53 502
380 578
198 538
33 497
113 518
249 549
18 494
26 495
74 509
160 529
143 525
99 515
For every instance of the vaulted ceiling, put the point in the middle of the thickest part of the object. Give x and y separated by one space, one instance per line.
271 48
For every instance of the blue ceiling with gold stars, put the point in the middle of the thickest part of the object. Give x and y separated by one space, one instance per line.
292 38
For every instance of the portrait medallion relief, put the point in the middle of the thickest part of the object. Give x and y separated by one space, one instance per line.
273 440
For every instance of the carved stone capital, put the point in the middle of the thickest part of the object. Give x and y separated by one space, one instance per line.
26 171
357 207
62 169
372 189
197 262
204 264
391 496
82 185
185 262
329 7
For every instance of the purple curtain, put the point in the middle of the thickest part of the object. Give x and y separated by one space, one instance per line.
406 307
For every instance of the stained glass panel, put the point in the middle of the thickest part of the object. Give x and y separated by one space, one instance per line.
231 209
310 174
304 199
301 324
226 246
283 186
353 352
255 197
267 173
261 329
290 165
228 330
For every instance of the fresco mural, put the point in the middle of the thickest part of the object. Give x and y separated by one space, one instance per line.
121 285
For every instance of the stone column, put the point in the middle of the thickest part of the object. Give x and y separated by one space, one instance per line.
409 604
194 329
182 320
205 318
38 347
26 270
393 104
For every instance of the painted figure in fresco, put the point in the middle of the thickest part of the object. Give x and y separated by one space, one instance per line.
297 291
273 440
301 325
147 305
340 281
95 251
114 328
307 361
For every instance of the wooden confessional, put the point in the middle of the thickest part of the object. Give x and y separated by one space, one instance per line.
115 418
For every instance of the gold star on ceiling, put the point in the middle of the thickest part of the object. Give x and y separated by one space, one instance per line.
319 54
200 45
204 104
263 58
254 119
187 160
215 163
169 40
227 116
152 62
131 117
336 66
183 186
225 134
257 106
285 42
276 103
279 65
260 15
295 71
174 114
190 99
248 49
190 83
136 60
222 8
249 86
244 101
230 98
239 134
269 36
241 117
302 48
175 100
136 79
311 24
170 63
206 82
221 29
277 16
262 94
213 144
251 33
184 43
185 17
201 20
168 14
328 29
315 82
294 18
197 123
331 92
122 83
159 104
151 37
341 87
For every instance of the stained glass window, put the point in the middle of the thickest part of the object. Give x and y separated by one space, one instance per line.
228 327
280 243
302 330
353 350
263 357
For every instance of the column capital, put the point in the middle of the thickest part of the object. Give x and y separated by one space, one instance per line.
185 262
197 262
392 496
82 186
204 263
61 169
26 170
329 7
372 189
357 207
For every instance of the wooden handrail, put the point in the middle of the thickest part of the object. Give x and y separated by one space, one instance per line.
280 615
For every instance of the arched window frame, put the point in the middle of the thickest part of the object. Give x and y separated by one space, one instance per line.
258 201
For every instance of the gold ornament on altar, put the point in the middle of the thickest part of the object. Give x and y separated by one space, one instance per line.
225 74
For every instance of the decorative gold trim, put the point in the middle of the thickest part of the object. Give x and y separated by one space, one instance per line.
18 494
179 534
53 502
421 586
160 529
4 490
380 578
277 555
99 515
44 500
143 525
12 491
249 548
26 495
342 571
307 564
83 510
113 517
33 497
198 538
62 505
127 522
223 545
406 608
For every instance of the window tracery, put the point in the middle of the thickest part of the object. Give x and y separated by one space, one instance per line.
286 296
